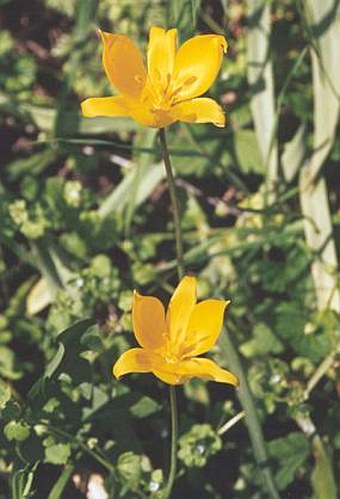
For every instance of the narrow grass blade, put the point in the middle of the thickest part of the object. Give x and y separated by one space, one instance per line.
294 154
60 484
323 19
143 160
324 28
251 416
150 176
260 77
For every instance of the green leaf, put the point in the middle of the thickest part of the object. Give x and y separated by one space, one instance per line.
16 430
247 152
144 407
143 160
33 165
322 477
263 342
39 297
289 453
60 484
260 77
21 482
5 393
324 25
57 453
149 175
55 362
294 152
183 14
324 28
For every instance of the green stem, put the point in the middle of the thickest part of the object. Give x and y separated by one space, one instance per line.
174 201
229 424
320 371
81 445
174 436
251 416
180 269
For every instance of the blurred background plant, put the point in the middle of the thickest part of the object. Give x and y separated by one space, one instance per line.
85 219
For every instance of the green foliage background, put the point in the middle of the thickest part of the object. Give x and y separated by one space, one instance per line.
85 219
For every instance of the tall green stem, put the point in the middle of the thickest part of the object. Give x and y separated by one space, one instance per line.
180 269
251 416
174 201
174 437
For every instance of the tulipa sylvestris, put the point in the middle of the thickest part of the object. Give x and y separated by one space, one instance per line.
170 342
168 89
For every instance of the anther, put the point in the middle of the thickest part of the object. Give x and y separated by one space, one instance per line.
138 79
190 81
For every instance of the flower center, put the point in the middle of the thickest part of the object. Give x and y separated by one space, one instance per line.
165 93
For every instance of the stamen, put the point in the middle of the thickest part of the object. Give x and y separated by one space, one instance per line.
158 75
138 79
190 81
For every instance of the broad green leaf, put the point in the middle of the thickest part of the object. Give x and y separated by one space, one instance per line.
144 407
16 430
263 342
72 336
290 453
57 453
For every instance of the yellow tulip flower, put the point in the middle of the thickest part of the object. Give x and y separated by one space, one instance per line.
171 341
168 89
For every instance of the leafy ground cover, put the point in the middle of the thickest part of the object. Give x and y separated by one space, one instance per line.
85 218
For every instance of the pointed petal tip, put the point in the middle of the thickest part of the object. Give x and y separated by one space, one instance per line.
189 278
114 371
85 109
221 122
224 44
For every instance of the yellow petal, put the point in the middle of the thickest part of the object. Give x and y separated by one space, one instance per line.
105 106
197 64
204 327
148 318
152 118
123 64
168 377
179 311
206 369
135 360
201 110
161 56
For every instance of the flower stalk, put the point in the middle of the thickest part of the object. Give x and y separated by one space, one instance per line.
180 270
174 201
174 439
